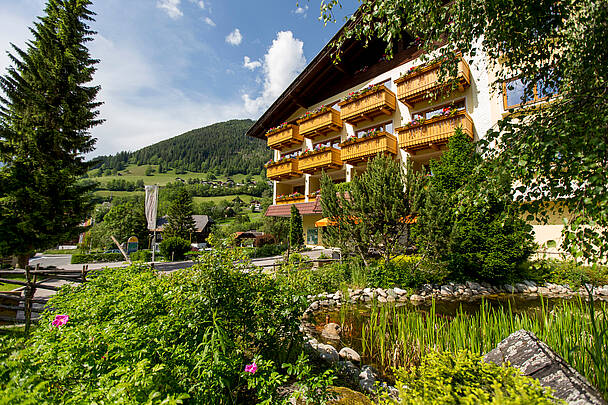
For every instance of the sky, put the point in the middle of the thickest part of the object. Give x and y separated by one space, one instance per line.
169 66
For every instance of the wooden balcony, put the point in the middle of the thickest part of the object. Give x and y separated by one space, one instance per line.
283 170
320 124
328 158
434 132
284 137
364 148
416 86
291 200
382 101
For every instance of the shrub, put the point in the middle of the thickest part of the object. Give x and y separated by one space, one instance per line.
97 258
305 279
174 248
405 272
463 377
566 272
141 255
135 337
268 250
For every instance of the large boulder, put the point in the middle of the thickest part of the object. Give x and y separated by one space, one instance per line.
535 359
331 331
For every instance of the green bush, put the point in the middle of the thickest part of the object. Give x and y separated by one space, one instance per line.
305 279
463 377
566 272
141 255
268 250
405 272
97 258
135 337
174 248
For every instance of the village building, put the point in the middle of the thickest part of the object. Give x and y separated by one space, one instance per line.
335 117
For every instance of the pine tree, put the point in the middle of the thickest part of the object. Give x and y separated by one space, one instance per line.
296 229
180 212
46 113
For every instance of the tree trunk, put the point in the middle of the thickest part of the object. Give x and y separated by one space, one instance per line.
23 261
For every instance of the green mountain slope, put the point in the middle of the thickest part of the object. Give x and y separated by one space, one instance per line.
221 148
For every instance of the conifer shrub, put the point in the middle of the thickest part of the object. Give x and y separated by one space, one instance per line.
174 248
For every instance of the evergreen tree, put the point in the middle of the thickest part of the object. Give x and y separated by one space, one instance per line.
296 229
181 223
46 114
486 241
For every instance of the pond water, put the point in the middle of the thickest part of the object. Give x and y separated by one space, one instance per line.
353 318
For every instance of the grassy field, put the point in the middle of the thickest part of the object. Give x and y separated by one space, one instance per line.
9 287
135 173
244 197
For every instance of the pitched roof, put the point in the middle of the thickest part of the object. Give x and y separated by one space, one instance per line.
323 78
200 222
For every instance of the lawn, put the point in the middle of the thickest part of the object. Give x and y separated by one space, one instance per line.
9 287
217 199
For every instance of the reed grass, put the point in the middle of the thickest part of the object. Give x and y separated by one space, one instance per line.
398 336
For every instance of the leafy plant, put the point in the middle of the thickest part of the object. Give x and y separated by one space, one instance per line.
174 248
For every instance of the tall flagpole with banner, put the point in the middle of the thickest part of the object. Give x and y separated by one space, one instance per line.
151 209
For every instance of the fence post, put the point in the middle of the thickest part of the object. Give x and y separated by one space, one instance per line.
27 305
83 273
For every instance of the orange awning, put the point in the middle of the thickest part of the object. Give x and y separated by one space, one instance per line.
323 222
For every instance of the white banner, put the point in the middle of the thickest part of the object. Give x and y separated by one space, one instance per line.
151 206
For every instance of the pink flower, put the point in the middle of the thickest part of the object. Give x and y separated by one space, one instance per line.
60 320
251 368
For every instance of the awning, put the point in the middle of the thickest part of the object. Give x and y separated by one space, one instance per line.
323 222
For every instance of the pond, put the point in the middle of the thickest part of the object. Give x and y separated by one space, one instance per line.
396 334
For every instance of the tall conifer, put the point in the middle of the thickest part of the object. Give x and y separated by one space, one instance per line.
46 112
180 213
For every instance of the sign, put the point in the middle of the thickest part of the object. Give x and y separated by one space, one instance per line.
132 244
151 206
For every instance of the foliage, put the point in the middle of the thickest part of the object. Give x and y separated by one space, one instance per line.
405 272
305 279
400 336
541 43
141 255
372 218
296 229
277 227
97 258
135 337
221 147
463 377
174 248
268 250
566 272
122 221
180 222
475 239
46 113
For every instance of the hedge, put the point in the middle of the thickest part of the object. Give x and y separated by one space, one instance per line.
97 258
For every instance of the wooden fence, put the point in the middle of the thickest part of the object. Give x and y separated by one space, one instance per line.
12 302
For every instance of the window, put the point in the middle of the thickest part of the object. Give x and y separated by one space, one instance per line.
514 92
312 236
334 142
386 126
427 114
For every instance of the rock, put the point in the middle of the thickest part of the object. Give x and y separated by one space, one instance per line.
446 290
367 378
522 288
544 291
382 299
348 371
390 299
399 291
391 293
349 354
416 297
473 285
602 290
314 306
380 292
510 289
534 358
331 331
328 353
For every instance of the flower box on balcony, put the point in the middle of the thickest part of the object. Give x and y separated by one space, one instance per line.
295 198
318 123
421 82
283 136
367 103
358 149
283 169
434 132
317 160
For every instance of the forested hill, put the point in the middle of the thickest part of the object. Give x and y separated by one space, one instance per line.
222 148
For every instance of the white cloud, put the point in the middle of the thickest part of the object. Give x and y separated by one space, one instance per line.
234 38
251 65
201 4
301 10
209 22
171 7
282 64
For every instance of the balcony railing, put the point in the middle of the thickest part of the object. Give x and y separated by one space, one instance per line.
284 137
283 170
418 85
434 132
363 148
328 158
291 200
321 123
371 104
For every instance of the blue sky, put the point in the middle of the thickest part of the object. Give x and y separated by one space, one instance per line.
168 66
